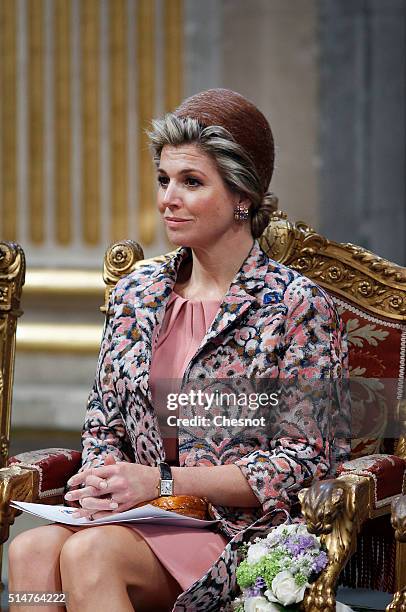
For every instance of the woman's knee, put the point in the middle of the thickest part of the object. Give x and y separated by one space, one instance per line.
20 547
83 556
41 543
89 553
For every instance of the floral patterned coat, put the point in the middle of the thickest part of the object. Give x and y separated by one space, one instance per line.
273 323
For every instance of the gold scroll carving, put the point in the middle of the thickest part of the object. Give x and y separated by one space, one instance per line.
350 271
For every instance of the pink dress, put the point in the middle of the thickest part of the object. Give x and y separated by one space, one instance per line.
183 328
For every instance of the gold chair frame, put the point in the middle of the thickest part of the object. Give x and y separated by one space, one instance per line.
347 501
12 276
398 520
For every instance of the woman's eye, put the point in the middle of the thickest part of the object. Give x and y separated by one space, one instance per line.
163 181
192 182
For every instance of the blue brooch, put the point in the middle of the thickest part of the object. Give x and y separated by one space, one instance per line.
269 297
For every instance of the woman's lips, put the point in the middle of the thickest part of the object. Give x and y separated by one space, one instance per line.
174 221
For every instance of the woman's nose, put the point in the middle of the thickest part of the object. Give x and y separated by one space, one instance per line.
171 196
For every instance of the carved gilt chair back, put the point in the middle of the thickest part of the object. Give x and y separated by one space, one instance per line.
12 275
370 295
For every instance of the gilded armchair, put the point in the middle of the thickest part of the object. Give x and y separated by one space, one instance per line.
12 275
352 512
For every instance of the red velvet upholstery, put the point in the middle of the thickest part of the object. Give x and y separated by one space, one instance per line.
54 465
387 471
377 351
377 348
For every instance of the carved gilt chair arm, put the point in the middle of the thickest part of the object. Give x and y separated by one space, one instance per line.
53 466
37 476
335 510
398 520
18 483
387 474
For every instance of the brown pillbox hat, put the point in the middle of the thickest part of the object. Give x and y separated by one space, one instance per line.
241 118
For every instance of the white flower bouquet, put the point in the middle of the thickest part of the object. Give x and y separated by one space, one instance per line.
277 569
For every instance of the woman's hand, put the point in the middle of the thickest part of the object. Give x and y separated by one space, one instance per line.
113 487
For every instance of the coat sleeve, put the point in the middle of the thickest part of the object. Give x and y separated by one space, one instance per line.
312 363
104 430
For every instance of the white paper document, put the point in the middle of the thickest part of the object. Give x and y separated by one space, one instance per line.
145 514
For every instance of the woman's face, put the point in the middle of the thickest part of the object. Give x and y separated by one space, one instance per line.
196 205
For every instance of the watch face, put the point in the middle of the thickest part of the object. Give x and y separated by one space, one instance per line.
166 487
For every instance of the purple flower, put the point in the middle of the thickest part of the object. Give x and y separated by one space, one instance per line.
297 545
260 583
306 541
320 562
252 592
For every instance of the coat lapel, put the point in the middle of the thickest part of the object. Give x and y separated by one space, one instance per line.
156 289
241 295
148 301
150 297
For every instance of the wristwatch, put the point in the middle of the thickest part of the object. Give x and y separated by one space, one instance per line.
166 481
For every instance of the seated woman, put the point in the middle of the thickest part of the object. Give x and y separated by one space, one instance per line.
218 308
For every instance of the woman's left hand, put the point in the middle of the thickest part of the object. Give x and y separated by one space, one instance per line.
113 487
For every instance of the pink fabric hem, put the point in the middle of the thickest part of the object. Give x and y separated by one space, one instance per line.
187 554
